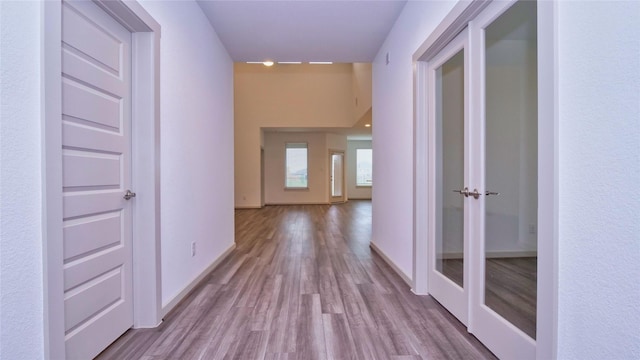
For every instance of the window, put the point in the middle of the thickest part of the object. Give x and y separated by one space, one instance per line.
364 167
296 166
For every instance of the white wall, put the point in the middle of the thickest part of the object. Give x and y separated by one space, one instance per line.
196 144
599 110
392 193
21 277
353 191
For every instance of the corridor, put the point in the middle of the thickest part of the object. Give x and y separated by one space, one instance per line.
303 283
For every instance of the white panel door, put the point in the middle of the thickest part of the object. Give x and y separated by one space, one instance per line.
96 157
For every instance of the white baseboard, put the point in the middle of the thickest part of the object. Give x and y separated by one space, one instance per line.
248 207
192 285
386 259
494 254
302 203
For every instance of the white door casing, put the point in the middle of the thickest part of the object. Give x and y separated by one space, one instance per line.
96 152
147 311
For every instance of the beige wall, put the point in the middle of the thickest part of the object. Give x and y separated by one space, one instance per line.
284 96
362 89
318 145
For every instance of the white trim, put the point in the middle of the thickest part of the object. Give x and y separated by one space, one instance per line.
52 250
493 254
391 264
193 284
145 162
548 119
300 203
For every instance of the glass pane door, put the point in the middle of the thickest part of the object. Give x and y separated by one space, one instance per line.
511 166
336 175
449 93
505 168
448 265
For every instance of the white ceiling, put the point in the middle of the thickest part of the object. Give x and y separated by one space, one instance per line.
301 30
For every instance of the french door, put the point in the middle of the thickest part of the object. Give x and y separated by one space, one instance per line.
336 159
483 157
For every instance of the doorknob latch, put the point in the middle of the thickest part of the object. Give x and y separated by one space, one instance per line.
128 195
464 192
474 193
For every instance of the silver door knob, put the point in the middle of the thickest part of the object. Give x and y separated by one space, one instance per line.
464 192
475 194
128 195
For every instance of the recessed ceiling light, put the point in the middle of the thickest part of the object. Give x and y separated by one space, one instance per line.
268 63
320 62
367 125
254 62
289 62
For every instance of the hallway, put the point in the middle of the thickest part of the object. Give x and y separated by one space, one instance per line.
302 283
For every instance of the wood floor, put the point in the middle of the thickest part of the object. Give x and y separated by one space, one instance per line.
303 284
510 288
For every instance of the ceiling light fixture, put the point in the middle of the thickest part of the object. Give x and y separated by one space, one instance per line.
289 62
367 125
268 63
320 62
254 62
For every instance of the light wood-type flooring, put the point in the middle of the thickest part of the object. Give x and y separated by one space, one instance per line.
302 284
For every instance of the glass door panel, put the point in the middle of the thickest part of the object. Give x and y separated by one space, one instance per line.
336 175
510 166
450 112
448 249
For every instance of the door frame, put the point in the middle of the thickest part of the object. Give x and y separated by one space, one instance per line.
547 288
343 198
456 297
145 164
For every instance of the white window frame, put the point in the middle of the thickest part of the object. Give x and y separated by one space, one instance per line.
295 145
358 184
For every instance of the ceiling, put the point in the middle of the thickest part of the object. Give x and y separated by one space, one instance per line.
300 30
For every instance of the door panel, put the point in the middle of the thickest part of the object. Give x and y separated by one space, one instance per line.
96 83
450 144
504 312
448 220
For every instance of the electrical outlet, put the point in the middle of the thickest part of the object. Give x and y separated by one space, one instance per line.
193 249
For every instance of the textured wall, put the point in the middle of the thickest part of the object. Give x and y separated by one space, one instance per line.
393 131
196 143
599 110
21 282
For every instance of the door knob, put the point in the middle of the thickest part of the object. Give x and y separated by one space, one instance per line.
128 195
464 192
